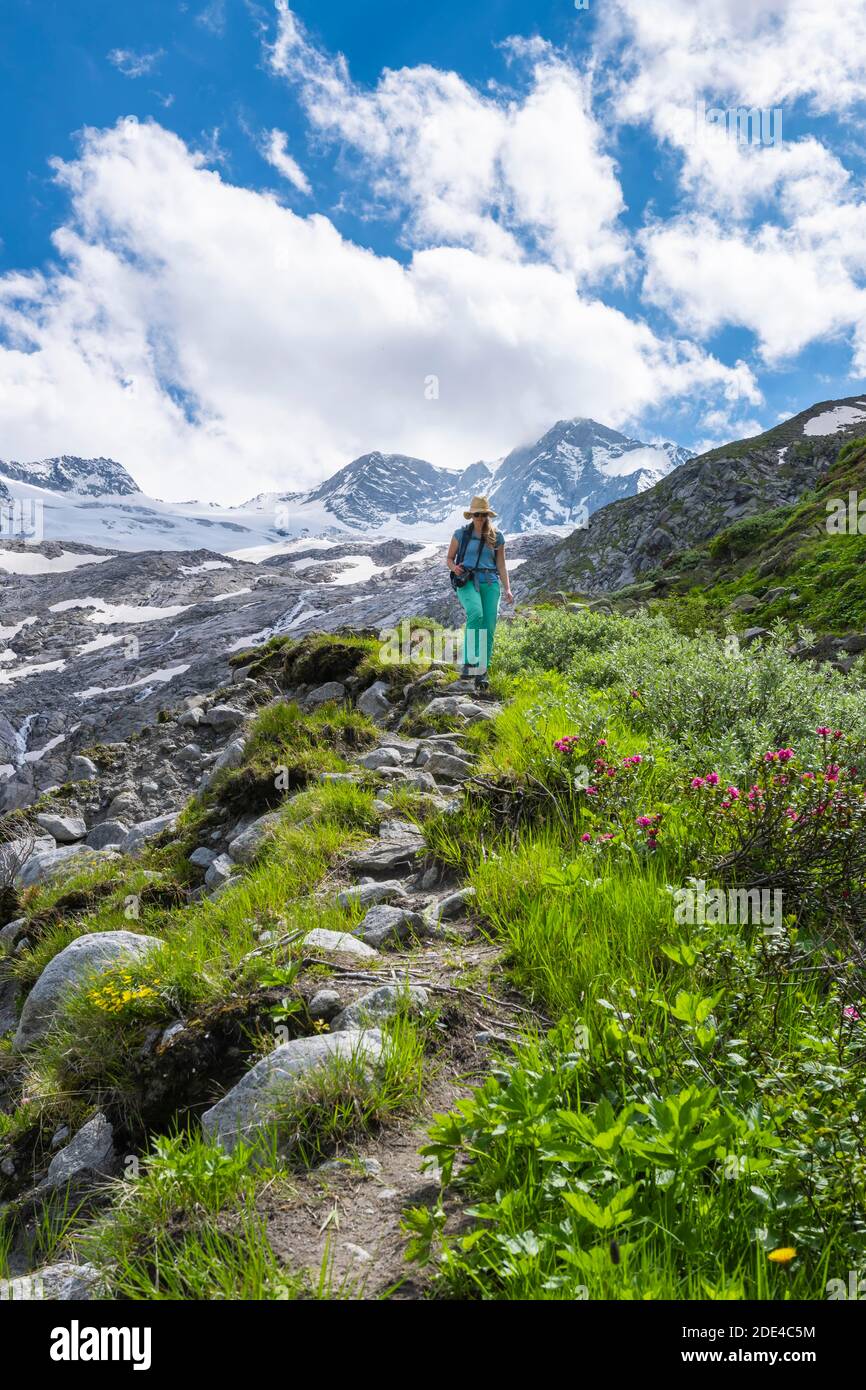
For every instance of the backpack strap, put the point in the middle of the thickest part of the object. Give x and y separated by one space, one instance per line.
464 543
488 569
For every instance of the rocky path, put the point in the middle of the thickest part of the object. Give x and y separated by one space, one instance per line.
416 945
342 1222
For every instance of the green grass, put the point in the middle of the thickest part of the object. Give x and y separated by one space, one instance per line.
186 1228
695 1108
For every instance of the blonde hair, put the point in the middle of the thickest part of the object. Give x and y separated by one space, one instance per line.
488 533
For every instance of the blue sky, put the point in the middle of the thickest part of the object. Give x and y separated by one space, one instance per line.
431 229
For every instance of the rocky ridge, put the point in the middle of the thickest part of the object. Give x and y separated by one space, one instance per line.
629 540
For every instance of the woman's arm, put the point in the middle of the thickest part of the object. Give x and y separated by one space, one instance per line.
452 551
503 572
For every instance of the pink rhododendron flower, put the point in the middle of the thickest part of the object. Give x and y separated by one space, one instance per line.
823 730
586 839
733 793
850 1012
712 779
697 782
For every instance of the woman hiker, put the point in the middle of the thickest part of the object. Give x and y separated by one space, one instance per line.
476 559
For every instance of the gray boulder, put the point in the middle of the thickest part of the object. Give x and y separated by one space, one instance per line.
10 934
453 905
244 847
341 943
379 1004
124 804
754 634
86 955
45 865
90 1155
9 991
421 780
385 925
384 858
324 694
65 829
231 757
82 769
202 857
219 871
380 757
63 1282
368 893
455 706
13 853
135 839
108 832
223 717
325 1003
448 766
374 701
253 1106
188 755
393 829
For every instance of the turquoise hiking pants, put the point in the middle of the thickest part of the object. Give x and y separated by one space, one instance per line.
481 607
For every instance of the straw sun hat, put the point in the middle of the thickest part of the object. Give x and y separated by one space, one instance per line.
479 504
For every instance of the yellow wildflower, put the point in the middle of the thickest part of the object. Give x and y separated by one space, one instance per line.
783 1256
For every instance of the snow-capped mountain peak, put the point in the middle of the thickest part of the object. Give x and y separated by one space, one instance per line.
576 467
99 477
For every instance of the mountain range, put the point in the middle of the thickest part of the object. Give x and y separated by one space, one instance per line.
96 639
555 483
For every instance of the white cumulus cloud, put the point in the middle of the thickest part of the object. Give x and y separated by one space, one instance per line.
218 344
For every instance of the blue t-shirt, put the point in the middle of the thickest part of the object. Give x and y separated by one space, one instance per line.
483 563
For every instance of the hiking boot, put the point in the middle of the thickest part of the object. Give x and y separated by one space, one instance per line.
482 682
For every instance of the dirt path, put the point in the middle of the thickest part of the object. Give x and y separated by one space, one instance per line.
341 1223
